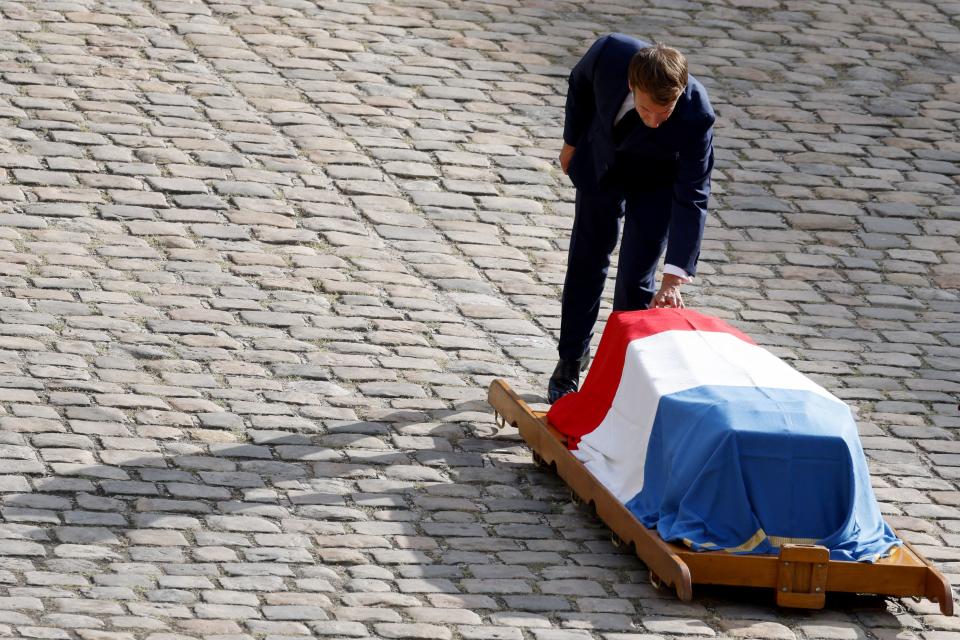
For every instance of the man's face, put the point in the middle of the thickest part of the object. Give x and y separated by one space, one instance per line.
652 114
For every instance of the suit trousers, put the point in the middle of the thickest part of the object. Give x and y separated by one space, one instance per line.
644 217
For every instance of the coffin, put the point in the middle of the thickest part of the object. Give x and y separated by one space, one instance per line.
718 444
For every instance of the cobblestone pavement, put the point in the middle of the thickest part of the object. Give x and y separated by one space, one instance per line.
259 260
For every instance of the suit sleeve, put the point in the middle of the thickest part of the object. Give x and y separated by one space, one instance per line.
691 191
581 104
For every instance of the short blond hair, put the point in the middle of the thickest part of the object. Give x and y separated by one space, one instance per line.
660 72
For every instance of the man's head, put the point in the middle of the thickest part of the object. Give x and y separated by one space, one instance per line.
657 76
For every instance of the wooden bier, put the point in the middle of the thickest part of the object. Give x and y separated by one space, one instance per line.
801 574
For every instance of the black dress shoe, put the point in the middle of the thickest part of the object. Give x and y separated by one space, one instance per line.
566 377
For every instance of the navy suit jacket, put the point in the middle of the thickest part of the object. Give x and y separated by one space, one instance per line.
598 87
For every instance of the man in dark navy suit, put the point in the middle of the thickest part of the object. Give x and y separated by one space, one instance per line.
638 146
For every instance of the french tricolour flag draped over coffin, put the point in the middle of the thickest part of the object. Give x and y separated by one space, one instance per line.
718 443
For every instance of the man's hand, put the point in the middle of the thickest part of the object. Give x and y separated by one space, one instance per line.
669 294
565 156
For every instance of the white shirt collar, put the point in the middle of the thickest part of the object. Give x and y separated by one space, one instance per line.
626 106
